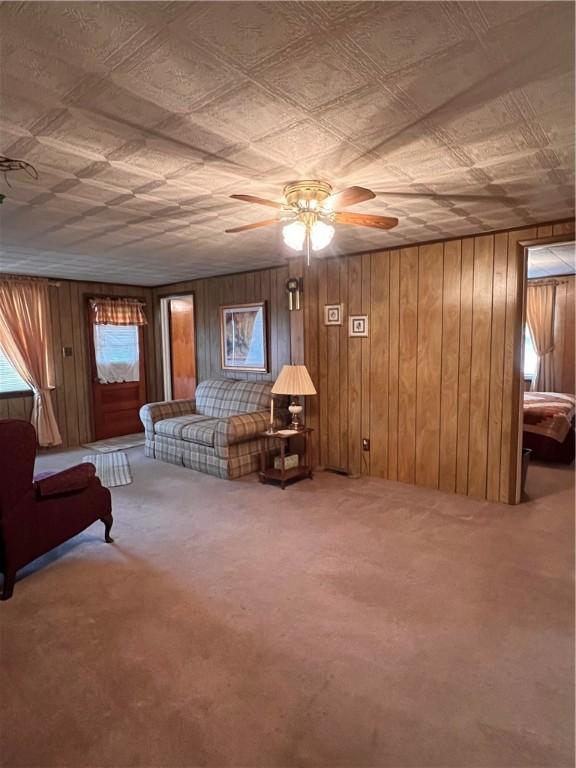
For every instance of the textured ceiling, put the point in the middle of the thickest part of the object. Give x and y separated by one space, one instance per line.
551 260
142 118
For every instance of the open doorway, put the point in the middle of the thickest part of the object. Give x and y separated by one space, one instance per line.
178 347
549 345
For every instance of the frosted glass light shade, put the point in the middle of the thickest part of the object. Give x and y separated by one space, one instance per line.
321 235
294 235
294 380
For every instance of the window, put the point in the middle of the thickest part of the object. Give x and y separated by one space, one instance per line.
10 380
530 356
117 353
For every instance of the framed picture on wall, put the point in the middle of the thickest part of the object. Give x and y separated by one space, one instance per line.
358 325
243 337
333 314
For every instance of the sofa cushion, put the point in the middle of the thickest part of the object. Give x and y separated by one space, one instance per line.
173 427
247 397
211 394
201 432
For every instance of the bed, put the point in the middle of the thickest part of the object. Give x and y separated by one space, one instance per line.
549 426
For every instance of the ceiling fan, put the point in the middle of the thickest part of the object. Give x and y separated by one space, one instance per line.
308 213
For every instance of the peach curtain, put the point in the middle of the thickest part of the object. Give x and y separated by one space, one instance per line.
540 302
25 338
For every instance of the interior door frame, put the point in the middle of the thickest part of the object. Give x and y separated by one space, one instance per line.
165 349
144 368
515 490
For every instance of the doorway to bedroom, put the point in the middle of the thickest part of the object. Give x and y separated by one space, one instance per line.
549 344
178 347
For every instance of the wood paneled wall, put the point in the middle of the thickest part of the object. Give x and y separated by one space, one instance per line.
565 335
436 385
209 294
72 397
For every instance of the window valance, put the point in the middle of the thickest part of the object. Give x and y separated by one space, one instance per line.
112 311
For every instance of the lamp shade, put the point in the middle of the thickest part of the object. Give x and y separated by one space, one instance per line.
293 380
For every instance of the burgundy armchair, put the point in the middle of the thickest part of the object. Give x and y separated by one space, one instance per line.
38 514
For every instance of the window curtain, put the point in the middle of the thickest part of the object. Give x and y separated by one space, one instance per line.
25 338
540 301
117 353
118 312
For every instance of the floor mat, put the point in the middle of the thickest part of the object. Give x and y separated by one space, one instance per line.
112 468
116 443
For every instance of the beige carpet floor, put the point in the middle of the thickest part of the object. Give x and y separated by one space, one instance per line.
339 623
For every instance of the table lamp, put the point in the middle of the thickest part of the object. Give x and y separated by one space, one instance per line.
294 380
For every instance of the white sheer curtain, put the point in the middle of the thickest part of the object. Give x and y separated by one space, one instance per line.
540 301
117 353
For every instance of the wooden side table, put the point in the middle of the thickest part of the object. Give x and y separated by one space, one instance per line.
283 475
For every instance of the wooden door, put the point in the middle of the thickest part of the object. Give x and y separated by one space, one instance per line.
182 347
116 404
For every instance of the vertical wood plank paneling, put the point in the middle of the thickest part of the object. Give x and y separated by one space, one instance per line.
407 364
354 368
79 367
545 231
497 366
323 363
201 340
567 382
295 268
430 269
310 310
343 345
379 331
394 335
480 364
563 228
564 336
335 384
273 315
69 376
450 357
283 322
366 349
464 393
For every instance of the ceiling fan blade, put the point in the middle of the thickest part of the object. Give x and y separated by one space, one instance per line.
443 196
365 220
258 200
348 196
256 224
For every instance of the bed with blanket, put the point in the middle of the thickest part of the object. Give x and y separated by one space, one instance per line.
549 426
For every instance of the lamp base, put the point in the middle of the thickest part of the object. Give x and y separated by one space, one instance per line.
295 410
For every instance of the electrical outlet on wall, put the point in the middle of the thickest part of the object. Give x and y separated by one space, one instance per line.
365 444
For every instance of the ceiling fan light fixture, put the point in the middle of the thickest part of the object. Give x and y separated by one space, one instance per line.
321 235
294 235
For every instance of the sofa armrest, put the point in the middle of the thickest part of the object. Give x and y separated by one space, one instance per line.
243 426
75 478
153 412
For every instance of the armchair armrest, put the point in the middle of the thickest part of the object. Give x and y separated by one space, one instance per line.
73 479
244 426
153 412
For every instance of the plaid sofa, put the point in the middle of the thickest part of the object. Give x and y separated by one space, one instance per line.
218 431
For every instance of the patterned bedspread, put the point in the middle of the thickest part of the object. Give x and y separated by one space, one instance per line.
549 413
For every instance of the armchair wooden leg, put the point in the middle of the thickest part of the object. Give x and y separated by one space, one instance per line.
8 588
107 520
